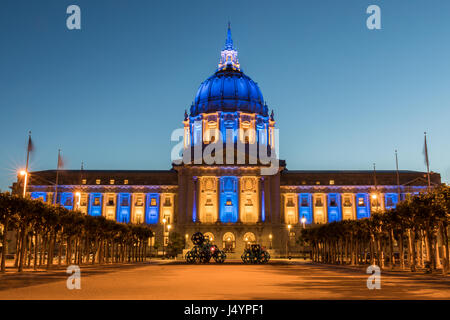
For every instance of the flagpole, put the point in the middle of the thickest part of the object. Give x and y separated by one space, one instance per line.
57 176
398 176
427 161
375 176
26 166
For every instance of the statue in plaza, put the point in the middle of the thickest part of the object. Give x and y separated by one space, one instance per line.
255 254
203 250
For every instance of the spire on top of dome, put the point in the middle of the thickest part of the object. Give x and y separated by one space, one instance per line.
229 42
228 55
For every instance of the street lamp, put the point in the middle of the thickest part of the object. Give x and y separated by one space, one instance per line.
164 235
303 220
270 238
78 196
24 174
185 243
287 241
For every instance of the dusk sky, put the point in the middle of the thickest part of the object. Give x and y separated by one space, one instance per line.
111 94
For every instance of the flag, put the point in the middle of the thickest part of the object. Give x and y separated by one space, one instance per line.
60 160
425 152
30 144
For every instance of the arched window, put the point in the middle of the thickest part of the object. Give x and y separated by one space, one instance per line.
209 236
249 238
229 242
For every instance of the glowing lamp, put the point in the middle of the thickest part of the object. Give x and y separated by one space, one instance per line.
374 196
22 172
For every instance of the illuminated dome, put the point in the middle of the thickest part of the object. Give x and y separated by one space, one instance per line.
229 89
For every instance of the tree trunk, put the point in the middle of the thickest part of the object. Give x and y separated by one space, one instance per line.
412 250
401 251
23 247
51 249
5 245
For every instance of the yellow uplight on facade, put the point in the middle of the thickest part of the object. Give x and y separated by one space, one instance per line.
164 220
374 196
270 236
169 226
289 227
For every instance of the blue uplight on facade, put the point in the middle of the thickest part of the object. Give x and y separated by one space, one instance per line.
152 211
39 195
124 207
362 206
66 200
228 199
305 207
95 204
334 207
263 207
390 200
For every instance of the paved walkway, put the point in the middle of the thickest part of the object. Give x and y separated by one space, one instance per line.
232 280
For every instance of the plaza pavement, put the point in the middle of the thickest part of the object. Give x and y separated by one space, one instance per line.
280 279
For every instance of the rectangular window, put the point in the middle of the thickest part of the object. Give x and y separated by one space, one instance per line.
333 201
305 202
124 202
96 201
83 181
110 201
125 181
347 202
111 181
168 203
153 202
319 202
139 201
290 203
331 181
361 202
97 181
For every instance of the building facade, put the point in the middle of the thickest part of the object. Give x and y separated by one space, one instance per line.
228 198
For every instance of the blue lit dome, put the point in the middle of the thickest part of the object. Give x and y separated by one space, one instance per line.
229 89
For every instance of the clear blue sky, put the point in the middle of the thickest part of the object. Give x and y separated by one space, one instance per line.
111 94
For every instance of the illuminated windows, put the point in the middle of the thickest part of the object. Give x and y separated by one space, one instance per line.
97 181
347 202
319 202
139 201
110 200
361 202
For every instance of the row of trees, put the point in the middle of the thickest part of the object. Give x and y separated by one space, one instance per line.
414 234
48 235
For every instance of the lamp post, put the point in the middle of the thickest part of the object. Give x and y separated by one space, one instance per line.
185 242
168 233
164 235
303 221
270 238
287 241
78 200
24 174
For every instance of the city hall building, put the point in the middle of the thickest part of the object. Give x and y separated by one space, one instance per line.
232 202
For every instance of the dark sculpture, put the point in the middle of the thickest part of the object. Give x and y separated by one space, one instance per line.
255 254
203 250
